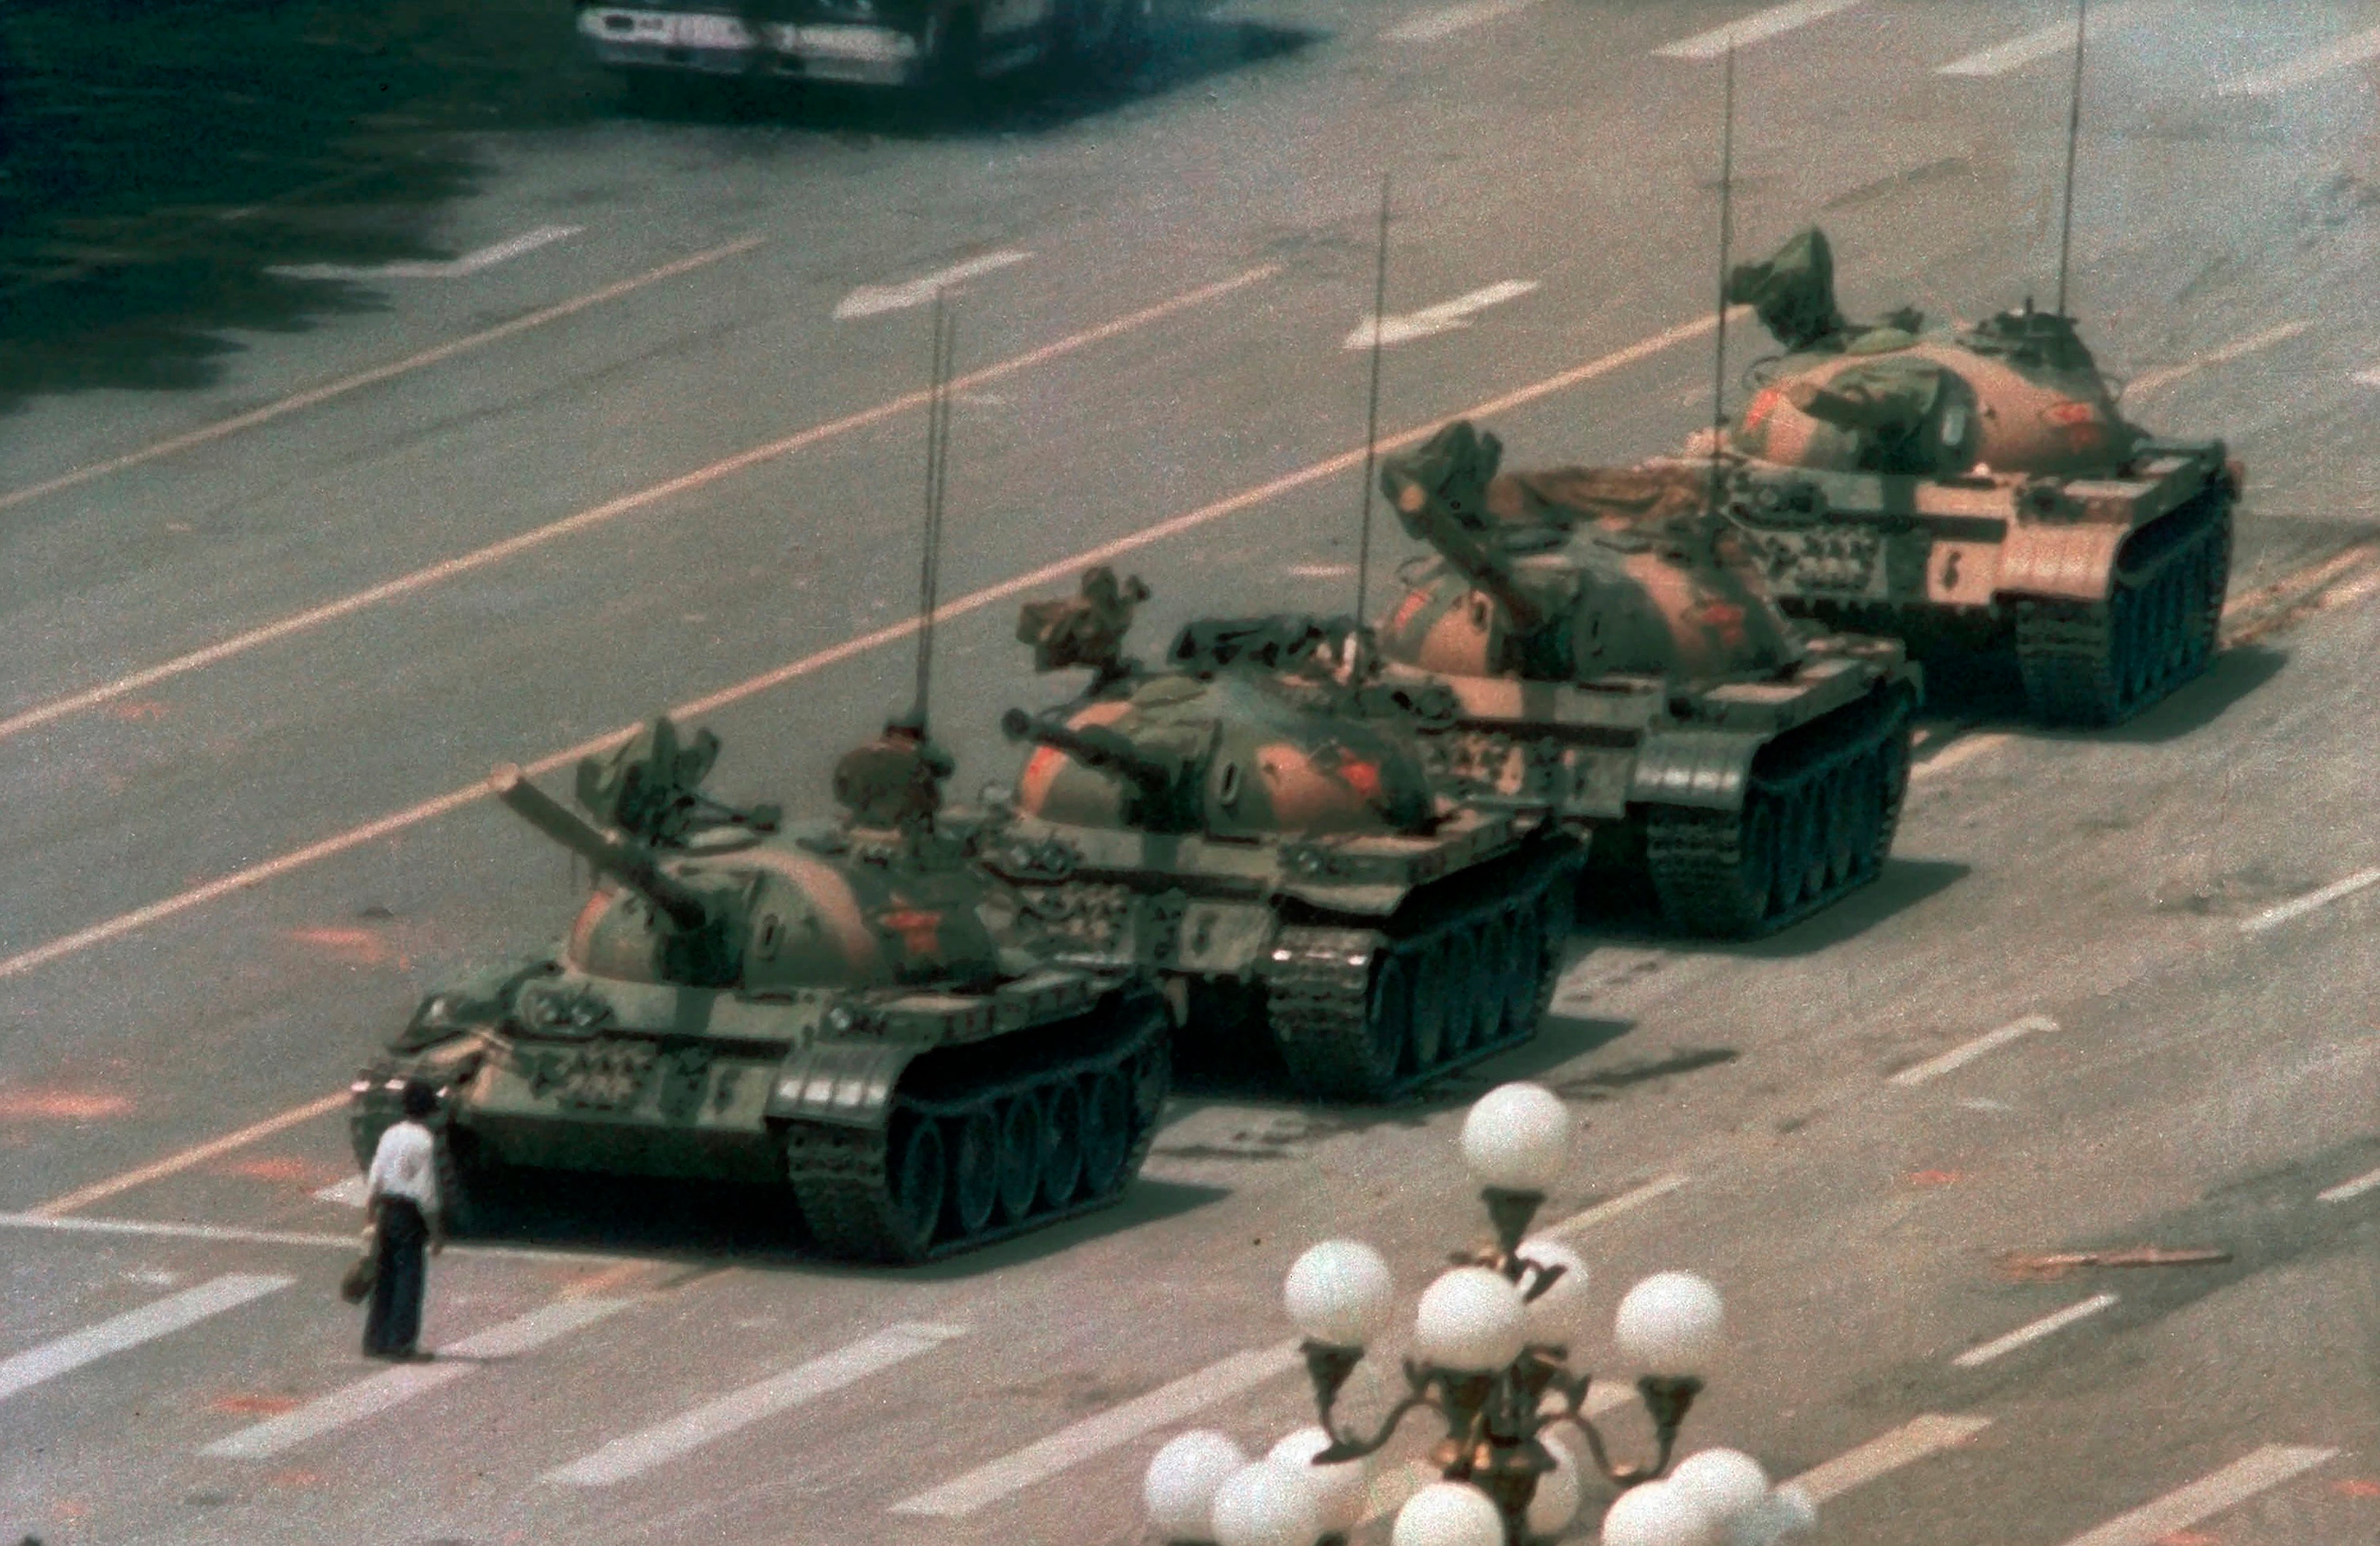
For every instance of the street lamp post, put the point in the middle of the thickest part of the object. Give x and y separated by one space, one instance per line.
1491 1362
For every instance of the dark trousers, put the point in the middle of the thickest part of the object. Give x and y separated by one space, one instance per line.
393 1324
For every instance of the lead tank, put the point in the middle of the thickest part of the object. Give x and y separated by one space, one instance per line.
851 1011
1255 821
1977 487
1614 656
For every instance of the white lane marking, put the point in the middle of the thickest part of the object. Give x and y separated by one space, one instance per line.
874 300
2306 67
1755 28
1967 1052
2041 42
1436 26
2270 917
349 1193
197 1154
2234 1484
1580 1222
638 1453
1912 1440
161 1318
222 1235
2368 378
2149 381
393 1387
1070 1446
1957 752
2347 1189
463 267
479 559
1975 1358
378 373
1443 317
1066 569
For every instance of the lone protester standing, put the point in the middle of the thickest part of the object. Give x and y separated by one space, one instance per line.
402 1198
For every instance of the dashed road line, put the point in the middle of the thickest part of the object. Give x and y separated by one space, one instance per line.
2044 42
463 267
197 1154
638 1453
2048 1325
1096 1435
2233 1485
1757 28
875 300
1065 568
1637 1198
2151 380
1912 1441
345 385
2307 67
349 1193
1444 317
1967 1052
479 559
2272 917
2346 1190
1436 26
393 1388
152 1229
120 1332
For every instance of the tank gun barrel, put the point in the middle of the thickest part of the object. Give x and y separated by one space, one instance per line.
1095 748
630 863
1428 518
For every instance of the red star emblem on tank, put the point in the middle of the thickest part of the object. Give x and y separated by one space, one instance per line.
1407 609
920 932
1724 618
1359 776
1764 403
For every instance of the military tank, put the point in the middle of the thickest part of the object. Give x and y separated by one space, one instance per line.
1614 656
1254 821
1977 489
849 1010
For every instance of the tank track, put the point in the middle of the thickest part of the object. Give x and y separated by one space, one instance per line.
1700 859
2098 664
841 1177
1327 989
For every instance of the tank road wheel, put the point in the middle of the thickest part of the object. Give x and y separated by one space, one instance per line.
1387 1033
916 1168
1845 801
1863 813
1529 965
861 1215
1152 1081
1463 975
1491 1019
1107 1131
1022 1144
975 1172
1425 1026
1062 1144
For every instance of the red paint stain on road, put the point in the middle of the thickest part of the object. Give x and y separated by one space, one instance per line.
247 1406
2356 1487
1934 1177
62 1105
2188 1538
360 946
284 1168
138 710
294 1478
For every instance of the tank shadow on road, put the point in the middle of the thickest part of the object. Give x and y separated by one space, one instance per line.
1904 883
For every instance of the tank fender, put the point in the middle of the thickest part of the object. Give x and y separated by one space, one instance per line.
1704 769
1224 935
847 1083
2069 563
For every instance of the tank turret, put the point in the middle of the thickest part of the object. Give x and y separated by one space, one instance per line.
1615 655
1978 491
1255 821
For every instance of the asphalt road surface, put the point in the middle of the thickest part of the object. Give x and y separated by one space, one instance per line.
609 447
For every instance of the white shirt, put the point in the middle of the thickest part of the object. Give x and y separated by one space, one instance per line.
403 1166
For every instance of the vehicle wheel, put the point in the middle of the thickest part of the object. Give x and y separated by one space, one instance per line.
1463 980
1021 1147
1062 1145
975 1172
951 54
1107 1131
915 1176
1525 970
1492 984
1425 1027
1842 804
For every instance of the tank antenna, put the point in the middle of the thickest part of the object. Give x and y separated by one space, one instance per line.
938 447
1726 239
2073 135
1372 408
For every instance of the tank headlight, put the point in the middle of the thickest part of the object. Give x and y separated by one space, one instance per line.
841 1020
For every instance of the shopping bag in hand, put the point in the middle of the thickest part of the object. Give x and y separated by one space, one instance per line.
356 1282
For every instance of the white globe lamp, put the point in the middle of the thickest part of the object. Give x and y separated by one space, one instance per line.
1727 1484
1182 1481
1340 1294
1557 1315
1516 1138
1670 1325
1448 1514
1470 1320
1339 1488
1266 1504
1658 1515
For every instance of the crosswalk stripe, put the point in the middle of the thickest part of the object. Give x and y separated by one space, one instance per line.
2041 42
2178 1510
396 1386
1581 1221
2306 67
159 1318
2032 1332
1913 1440
1755 28
638 1453
2346 1191
1096 1435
